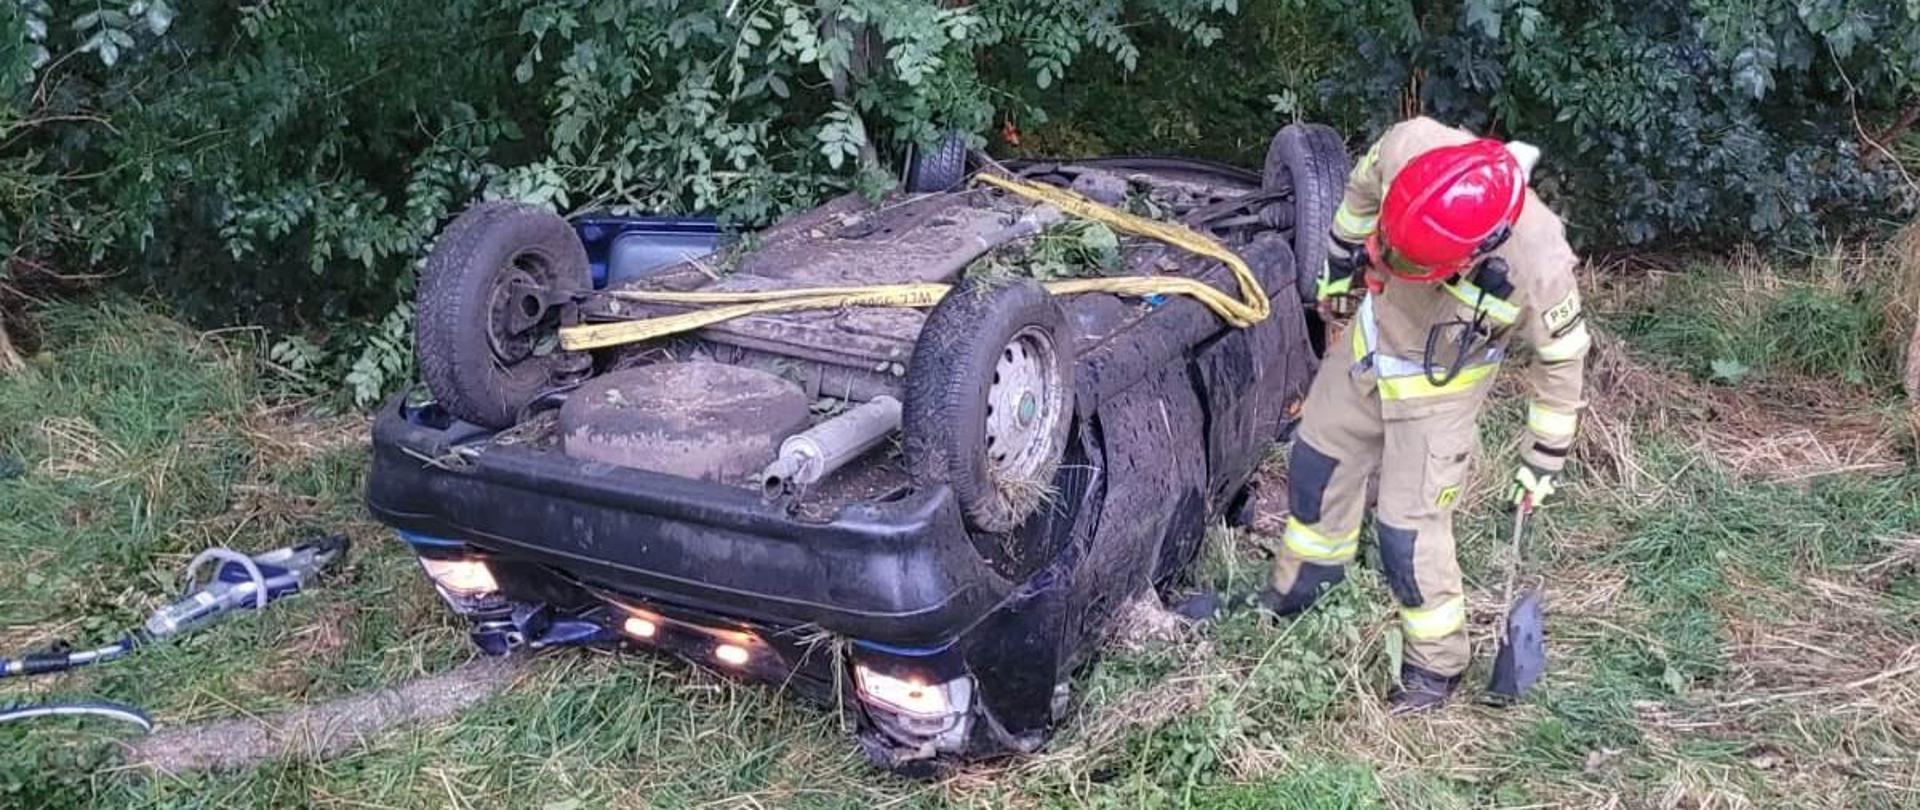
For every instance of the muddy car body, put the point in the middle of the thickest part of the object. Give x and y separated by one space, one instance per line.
950 640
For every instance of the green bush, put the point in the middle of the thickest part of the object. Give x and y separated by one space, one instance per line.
1731 121
280 164
1792 326
1772 121
287 163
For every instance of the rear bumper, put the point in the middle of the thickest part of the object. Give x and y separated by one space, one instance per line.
900 572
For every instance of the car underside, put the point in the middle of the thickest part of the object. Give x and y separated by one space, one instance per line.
927 514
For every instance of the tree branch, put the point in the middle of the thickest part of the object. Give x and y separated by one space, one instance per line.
1894 131
1878 146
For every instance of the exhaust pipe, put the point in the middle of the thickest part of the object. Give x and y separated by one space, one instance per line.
813 454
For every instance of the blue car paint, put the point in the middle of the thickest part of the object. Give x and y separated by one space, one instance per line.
903 652
421 541
622 249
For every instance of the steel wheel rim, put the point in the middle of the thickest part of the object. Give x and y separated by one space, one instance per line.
1024 405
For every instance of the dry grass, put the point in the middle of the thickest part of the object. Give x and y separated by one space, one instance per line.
1902 557
1100 732
1838 652
1777 430
10 360
288 432
1145 622
1019 495
1270 496
1460 743
76 447
1779 422
541 430
1904 311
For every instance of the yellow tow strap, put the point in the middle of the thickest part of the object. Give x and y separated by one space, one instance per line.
1249 308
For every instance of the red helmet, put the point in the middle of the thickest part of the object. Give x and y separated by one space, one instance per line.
1449 205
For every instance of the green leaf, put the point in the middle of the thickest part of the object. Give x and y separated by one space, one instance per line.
1284 103
159 18
1484 16
1729 370
1674 680
1529 18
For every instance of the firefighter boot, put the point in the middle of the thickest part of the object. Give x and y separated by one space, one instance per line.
1420 690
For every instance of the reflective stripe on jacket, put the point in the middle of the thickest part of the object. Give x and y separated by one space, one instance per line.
1543 310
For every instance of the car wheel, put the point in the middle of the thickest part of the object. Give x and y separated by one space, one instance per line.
1311 161
989 400
941 168
489 305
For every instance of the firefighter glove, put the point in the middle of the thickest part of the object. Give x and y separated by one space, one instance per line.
1531 486
1336 278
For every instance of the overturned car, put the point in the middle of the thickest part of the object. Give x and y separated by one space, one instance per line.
864 453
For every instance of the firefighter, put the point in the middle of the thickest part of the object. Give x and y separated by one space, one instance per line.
1451 257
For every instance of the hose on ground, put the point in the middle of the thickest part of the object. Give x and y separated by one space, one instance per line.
90 708
60 661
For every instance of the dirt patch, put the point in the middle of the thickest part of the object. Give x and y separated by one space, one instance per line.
324 730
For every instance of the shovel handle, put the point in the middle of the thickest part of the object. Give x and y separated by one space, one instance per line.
1522 509
1521 512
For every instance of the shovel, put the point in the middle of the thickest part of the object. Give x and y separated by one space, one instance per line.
1522 658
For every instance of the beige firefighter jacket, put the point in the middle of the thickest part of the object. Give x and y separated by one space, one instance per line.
1390 332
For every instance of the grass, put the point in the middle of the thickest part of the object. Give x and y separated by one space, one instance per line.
1837 318
1732 586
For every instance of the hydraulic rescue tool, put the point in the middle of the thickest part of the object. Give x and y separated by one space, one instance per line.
238 582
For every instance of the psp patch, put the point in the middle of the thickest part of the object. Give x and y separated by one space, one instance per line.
1564 315
1447 497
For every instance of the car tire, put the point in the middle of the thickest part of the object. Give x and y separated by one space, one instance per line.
479 367
989 400
1311 160
941 168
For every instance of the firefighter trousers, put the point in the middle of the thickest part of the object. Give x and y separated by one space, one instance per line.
1421 456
